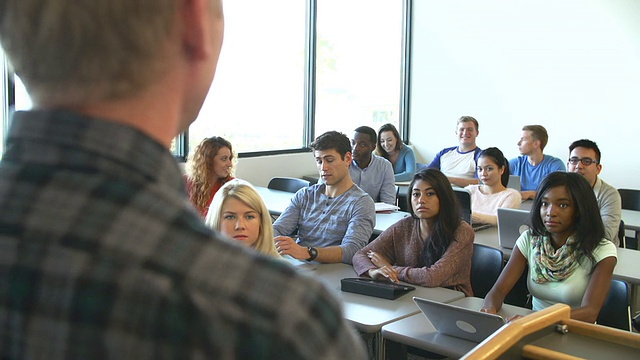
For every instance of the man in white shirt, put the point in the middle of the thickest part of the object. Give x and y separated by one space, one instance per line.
584 158
459 162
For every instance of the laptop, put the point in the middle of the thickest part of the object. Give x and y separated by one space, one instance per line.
514 182
511 223
460 322
464 198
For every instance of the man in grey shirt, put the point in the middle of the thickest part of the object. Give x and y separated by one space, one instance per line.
334 218
372 173
584 158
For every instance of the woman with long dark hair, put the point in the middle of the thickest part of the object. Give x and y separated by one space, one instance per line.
568 259
431 248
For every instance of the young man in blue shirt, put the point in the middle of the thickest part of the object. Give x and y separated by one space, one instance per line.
334 218
533 165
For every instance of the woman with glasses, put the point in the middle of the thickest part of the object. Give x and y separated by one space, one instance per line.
492 193
565 253
431 248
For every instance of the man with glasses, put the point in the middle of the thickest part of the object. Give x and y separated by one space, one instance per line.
584 159
533 165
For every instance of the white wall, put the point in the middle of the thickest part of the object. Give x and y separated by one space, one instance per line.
572 66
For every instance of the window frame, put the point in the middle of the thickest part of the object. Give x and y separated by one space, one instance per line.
182 150
182 140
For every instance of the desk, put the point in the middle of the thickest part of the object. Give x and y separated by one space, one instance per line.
277 201
631 219
418 332
369 314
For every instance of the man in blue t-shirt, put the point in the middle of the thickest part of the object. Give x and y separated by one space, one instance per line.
533 165
459 162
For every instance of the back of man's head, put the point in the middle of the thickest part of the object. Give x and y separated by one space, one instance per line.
587 144
332 140
369 131
538 132
70 52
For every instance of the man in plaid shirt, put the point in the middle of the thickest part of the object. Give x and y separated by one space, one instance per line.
101 254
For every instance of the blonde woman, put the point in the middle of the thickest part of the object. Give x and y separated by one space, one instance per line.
210 167
238 211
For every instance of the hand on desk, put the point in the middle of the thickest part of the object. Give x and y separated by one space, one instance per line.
385 270
493 311
526 195
288 246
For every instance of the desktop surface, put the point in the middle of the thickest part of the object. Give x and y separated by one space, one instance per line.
418 332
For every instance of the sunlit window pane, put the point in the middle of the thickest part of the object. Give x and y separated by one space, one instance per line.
358 64
257 97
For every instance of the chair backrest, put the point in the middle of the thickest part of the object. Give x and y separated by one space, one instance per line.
621 235
464 198
630 199
616 311
486 265
287 184
519 294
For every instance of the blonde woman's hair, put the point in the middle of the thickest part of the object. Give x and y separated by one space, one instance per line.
245 192
200 169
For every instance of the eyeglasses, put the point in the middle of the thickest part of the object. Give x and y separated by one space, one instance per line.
584 161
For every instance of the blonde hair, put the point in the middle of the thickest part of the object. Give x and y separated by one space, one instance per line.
69 53
245 192
200 170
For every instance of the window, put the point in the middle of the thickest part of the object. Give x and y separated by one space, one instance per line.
257 98
359 55
292 69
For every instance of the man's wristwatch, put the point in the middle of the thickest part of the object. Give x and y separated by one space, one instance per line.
313 253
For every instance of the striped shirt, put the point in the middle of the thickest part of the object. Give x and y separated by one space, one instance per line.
102 256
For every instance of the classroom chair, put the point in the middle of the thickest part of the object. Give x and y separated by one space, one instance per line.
621 235
631 201
616 311
287 184
486 265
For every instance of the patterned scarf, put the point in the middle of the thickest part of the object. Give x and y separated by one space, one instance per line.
550 264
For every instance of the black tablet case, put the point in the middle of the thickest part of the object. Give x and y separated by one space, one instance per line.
370 287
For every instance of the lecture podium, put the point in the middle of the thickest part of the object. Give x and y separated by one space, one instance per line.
552 334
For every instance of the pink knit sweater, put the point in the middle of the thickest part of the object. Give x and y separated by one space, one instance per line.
402 246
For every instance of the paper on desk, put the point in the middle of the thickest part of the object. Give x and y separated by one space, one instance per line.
380 207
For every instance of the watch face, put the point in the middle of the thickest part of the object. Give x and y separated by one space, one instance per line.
313 253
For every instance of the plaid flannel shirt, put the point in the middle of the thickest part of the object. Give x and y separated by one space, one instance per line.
102 256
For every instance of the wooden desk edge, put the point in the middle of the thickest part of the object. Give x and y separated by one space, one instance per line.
503 339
